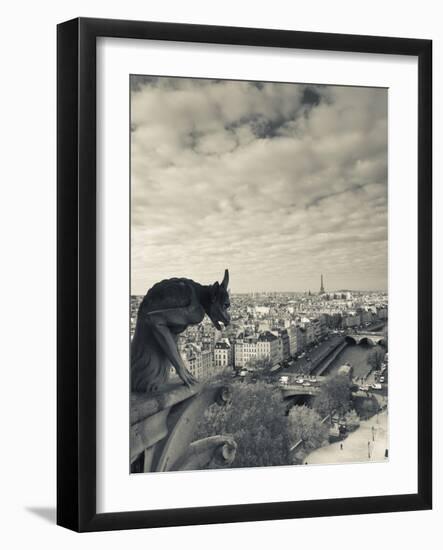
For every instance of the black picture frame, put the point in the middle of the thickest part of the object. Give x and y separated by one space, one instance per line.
76 280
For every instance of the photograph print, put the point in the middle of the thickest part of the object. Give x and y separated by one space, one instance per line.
259 274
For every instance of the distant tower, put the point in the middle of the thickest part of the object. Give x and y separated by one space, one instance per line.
322 288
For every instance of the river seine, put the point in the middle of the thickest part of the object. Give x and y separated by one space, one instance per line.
357 356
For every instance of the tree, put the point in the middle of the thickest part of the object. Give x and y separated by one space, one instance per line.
335 395
261 363
366 406
256 419
305 424
375 358
385 337
352 420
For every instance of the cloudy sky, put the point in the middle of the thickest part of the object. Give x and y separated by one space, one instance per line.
277 182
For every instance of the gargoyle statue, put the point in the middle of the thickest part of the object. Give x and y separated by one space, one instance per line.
168 308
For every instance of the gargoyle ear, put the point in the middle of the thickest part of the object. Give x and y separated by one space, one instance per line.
225 281
214 291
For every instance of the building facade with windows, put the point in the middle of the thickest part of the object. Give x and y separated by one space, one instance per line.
222 355
268 346
262 346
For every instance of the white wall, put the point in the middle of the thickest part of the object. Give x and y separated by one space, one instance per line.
27 218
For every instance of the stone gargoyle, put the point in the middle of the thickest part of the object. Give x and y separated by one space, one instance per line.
168 308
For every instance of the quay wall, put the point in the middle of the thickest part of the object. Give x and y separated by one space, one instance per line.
318 361
323 365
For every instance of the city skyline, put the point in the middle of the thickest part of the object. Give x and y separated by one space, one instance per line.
303 292
277 182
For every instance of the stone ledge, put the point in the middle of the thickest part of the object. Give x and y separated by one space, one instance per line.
163 425
144 405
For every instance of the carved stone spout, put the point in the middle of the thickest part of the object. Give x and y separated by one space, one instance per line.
163 427
217 451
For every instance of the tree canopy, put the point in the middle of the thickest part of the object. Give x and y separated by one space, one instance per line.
261 363
335 395
366 406
305 424
375 358
352 420
256 419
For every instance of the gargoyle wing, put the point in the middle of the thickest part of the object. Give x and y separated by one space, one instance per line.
167 294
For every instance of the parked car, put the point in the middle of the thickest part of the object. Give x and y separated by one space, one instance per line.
376 386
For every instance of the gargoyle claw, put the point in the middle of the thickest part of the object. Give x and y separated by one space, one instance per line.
187 378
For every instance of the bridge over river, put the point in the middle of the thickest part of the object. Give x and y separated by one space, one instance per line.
300 390
306 386
366 338
349 348
313 389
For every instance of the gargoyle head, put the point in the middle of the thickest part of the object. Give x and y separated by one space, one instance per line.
220 303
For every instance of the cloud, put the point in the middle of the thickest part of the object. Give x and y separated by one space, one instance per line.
278 182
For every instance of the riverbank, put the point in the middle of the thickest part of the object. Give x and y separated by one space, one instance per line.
315 357
324 364
367 444
357 356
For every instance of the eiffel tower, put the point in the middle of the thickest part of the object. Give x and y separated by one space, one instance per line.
322 288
